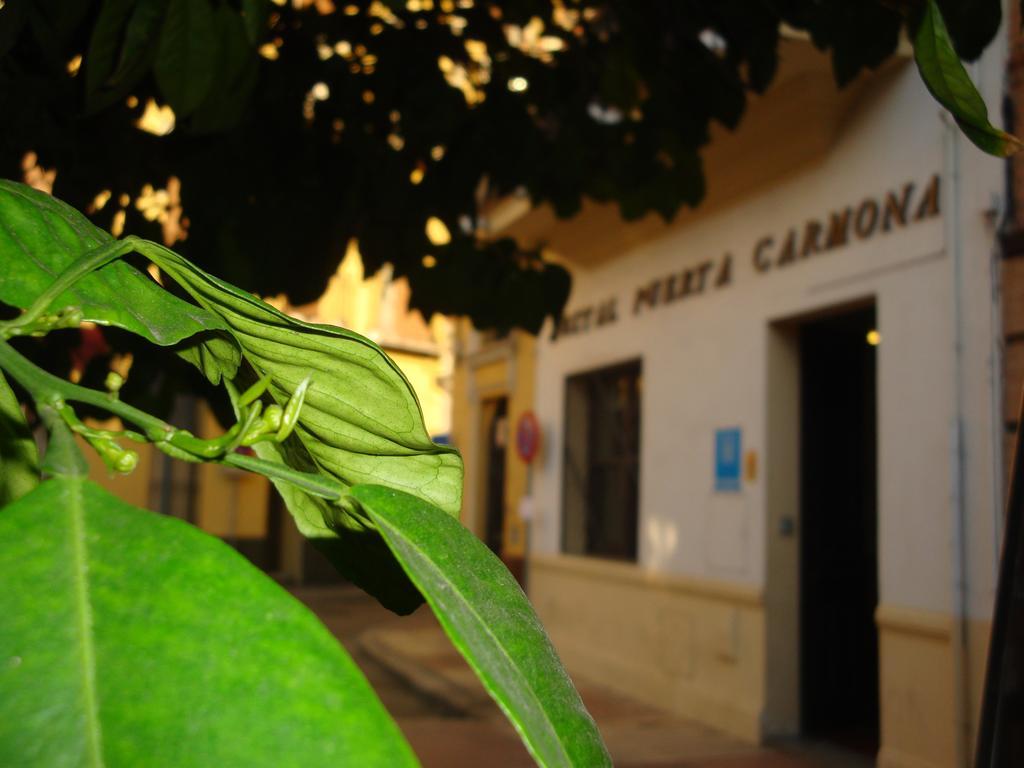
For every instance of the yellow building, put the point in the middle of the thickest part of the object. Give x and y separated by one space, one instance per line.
242 508
769 492
492 389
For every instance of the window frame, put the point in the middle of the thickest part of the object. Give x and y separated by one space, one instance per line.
635 367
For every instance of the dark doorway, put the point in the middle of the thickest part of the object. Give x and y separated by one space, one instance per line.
496 419
838 542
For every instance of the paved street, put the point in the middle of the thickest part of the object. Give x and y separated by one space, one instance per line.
452 723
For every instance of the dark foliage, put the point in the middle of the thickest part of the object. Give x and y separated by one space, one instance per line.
274 181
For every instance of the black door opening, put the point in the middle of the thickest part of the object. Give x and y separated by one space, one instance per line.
497 441
838 541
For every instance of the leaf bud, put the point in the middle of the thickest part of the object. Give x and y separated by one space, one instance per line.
127 461
71 317
113 382
117 459
291 410
273 417
255 391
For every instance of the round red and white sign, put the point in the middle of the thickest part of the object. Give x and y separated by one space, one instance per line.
527 437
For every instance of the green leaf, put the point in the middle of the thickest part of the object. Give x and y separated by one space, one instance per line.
255 13
490 621
64 18
355 550
40 237
361 421
19 460
140 40
121 48
130 638
186 58
63 457
101 56
990 140
215 354
13 18
237 70
945 76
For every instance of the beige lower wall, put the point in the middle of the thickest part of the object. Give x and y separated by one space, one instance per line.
697 648
922 715
916 689
692 647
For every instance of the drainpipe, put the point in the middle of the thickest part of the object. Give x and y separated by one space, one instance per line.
955 247
997 384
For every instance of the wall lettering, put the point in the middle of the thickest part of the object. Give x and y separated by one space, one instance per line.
761 261
724 276
838 229
863 221
929 205
860 222
682 285
587 318
812 239
896 208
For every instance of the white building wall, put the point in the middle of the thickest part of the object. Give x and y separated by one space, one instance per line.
705 359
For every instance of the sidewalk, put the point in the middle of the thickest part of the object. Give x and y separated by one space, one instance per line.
451 722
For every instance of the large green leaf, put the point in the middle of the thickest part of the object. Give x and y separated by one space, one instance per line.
132 639
19 460
945 76
357 551
490 621
361 422
186 58
40 237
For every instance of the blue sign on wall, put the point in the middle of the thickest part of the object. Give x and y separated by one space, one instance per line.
727 459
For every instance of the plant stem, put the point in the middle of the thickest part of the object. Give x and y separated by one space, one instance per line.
49 390
316 485
95 259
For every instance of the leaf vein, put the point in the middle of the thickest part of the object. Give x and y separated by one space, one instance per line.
445 618
80 567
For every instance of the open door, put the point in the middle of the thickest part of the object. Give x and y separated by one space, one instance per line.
495 413
838 570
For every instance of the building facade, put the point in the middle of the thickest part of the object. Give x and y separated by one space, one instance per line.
769 495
